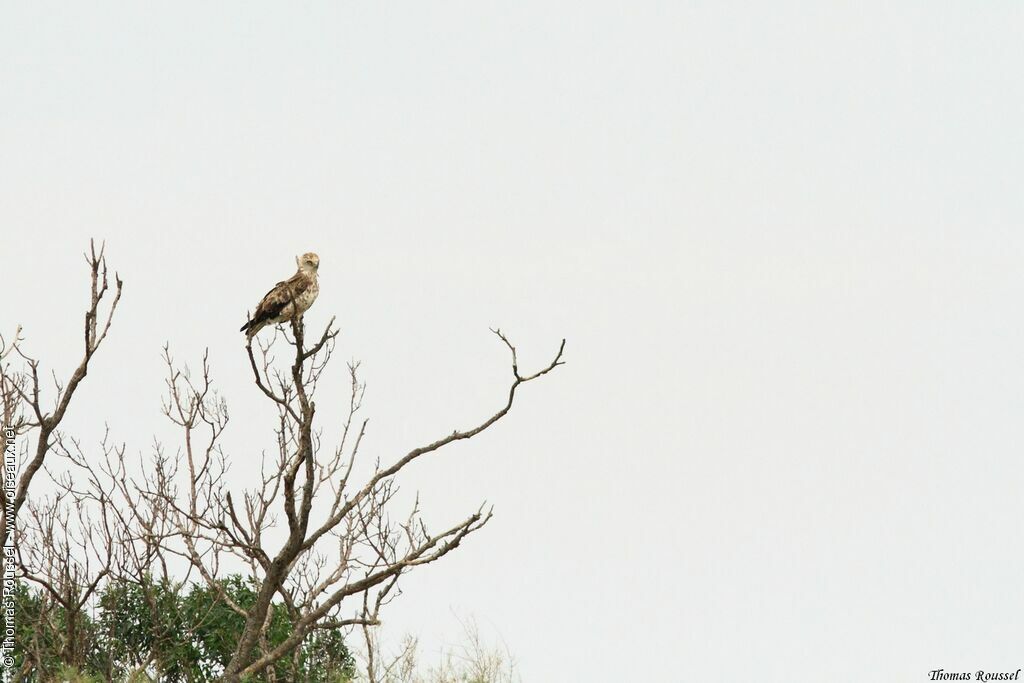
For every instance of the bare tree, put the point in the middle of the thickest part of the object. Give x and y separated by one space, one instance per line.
327 549
12 384
351 549
92 531
21 389
472 660
61 547
98 531
68 546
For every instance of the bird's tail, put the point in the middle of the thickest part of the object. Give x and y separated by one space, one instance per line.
251 327
256 323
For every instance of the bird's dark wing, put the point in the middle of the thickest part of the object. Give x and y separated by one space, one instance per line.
276 299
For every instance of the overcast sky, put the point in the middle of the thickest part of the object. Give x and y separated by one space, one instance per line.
784 242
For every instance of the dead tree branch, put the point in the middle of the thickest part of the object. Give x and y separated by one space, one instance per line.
25 386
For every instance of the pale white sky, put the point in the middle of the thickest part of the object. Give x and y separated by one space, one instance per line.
783 240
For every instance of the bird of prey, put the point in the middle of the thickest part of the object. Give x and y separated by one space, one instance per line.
288 299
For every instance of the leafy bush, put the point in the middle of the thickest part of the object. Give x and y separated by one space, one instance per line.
158 628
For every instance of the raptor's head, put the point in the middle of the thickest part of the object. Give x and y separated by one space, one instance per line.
308 262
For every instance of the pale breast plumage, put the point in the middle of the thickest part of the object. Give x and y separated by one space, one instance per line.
288 299
306 298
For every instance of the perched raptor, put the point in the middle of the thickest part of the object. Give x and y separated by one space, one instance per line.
288 299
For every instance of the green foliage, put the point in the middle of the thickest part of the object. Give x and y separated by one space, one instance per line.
185 636
59 639
69 674
144 625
